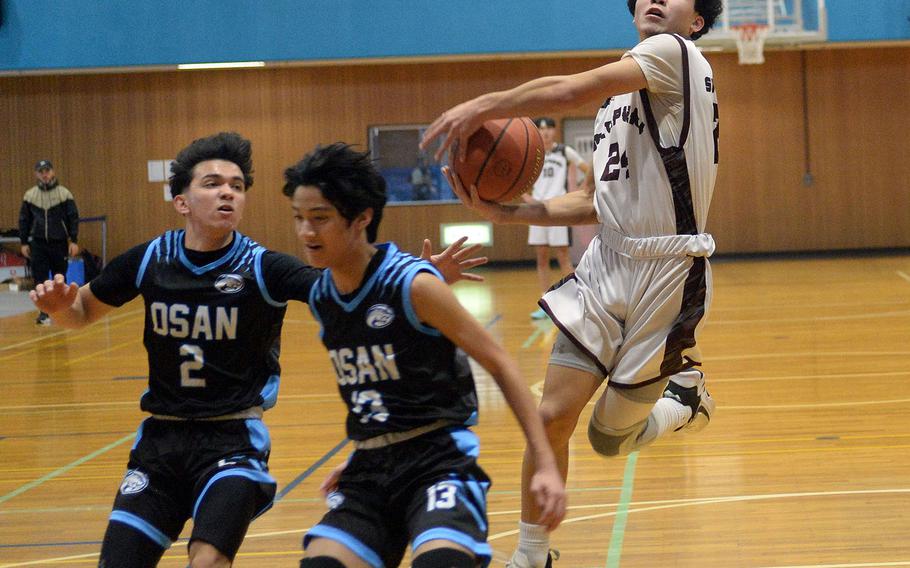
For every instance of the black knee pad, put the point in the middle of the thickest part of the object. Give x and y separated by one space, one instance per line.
444 558
126 547
321 562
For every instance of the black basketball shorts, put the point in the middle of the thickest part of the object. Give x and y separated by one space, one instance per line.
423 489
213 471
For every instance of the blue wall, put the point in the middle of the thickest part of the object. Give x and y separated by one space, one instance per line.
50 34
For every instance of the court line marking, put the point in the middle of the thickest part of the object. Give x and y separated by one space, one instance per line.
713 321
658 505
829 354
309 471
714 380
903 275
862 565
64 469
783 306
636 507
614 552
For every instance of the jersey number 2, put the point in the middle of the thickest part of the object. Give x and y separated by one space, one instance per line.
196 362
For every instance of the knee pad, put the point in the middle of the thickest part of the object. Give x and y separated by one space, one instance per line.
444 558
611 443
321 562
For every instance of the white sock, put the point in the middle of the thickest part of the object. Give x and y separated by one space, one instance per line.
667 415
534 543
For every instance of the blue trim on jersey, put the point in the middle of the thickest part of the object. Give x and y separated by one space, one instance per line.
472 419
409 276
439 533
363 551
259 434
257 269
311 302
138 435
197 270
391 251
466 441
479 495
142 526
145 261
253 475
269 392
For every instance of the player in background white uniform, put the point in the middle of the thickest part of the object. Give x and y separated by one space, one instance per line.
557 177
632 310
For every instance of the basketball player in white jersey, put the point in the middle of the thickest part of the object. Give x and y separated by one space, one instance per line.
631 312
557 177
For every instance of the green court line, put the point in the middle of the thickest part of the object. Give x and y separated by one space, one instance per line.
64 469
622 512
531 339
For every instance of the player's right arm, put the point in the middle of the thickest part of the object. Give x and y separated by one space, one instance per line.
546 94
436 305
573 208
74 307
69 305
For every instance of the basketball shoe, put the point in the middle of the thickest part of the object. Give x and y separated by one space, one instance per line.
701 403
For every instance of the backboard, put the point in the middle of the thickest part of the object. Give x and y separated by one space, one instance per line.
789 22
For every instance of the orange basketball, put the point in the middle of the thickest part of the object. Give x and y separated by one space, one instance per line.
504 158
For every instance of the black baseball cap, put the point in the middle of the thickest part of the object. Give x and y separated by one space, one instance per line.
43 165
545 121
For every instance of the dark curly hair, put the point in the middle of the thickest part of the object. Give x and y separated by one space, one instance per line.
707 9
227 146
347 179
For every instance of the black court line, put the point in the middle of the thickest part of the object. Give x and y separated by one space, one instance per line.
290 486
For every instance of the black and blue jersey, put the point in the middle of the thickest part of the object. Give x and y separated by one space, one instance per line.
394 372
212 320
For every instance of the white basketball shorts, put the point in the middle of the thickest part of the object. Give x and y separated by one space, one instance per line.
635 305
548 236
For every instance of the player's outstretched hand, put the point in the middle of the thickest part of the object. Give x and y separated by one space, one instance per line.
455 126
330 483
486 209
54 295
549 491
455 261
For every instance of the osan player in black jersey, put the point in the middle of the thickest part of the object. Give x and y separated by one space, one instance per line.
214 305
395 335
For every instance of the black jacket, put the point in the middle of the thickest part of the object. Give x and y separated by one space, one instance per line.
48 215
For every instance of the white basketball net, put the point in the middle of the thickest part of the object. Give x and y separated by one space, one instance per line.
750 42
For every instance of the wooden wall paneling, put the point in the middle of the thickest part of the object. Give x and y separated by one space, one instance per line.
860 117
101 129
758 200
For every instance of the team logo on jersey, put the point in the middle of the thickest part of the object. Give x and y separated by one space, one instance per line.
380 316
334 500
134 482
229 283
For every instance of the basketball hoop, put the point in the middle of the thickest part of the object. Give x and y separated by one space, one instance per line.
750 42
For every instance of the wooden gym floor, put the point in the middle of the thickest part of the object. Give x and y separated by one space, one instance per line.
805 463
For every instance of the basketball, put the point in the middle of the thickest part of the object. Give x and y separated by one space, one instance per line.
504 158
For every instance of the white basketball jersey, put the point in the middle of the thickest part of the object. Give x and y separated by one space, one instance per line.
554 175
655 150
